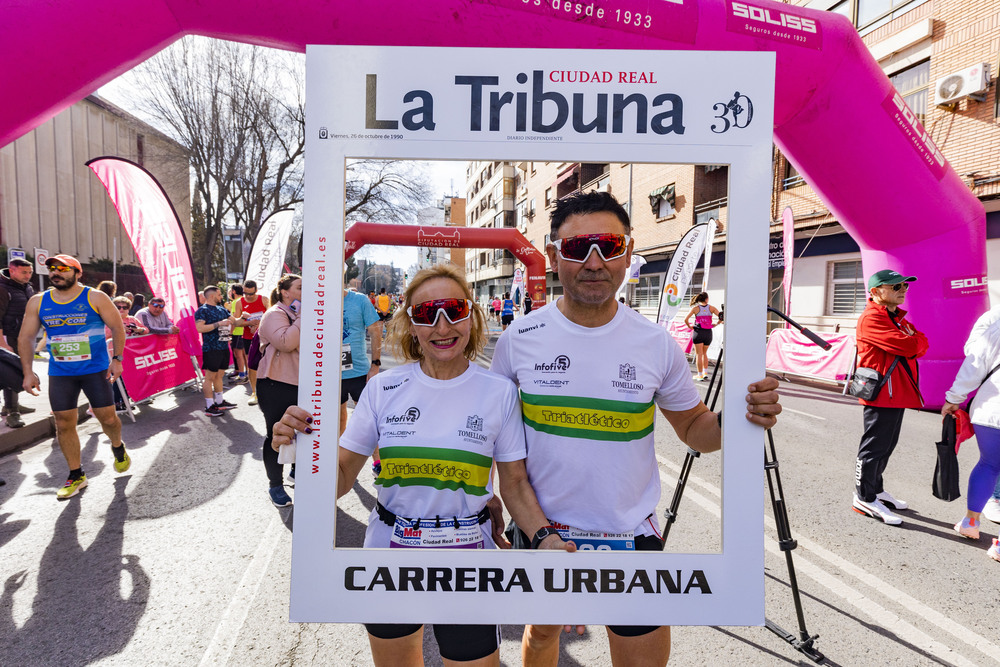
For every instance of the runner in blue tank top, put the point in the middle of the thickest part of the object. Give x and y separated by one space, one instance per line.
74 317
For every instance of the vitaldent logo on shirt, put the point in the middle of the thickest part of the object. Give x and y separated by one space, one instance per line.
559 365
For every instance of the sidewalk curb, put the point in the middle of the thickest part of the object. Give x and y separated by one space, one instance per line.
33 432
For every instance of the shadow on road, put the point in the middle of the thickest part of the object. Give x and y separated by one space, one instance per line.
99 592
814 625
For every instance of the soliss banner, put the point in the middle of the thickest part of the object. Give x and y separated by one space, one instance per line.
154 363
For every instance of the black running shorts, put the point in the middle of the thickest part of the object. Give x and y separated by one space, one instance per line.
352 387
214 360
702 336
457 642
64 391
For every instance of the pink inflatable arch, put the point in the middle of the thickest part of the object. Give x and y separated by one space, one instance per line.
836 112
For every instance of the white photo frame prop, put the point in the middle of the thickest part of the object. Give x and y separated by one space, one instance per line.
435 104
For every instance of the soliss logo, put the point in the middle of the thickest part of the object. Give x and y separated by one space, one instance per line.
147 360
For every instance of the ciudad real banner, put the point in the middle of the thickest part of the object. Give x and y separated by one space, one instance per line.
562 106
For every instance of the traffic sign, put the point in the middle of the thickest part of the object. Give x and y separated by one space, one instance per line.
15 253
41 254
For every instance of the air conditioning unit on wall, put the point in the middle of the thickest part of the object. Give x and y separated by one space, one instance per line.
969 82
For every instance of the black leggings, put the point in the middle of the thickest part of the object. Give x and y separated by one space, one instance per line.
274 398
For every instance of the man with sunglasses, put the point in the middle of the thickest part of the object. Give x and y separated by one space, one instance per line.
155 319
591 372
74 317
884 337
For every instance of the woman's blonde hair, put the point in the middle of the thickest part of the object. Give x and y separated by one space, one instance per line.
399 339
122 301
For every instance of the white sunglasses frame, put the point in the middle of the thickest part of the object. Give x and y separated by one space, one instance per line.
439 313
557 244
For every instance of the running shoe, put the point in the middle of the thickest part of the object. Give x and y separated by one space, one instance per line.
25 410
992 510
966 528
14 420
894 503
279 497
71 487
876 510
226 405
213 411
123 465
253 399
241 379
994 551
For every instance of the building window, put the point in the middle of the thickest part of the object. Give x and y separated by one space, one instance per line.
913 83
647 292
846 288
548 197
662 201
792 176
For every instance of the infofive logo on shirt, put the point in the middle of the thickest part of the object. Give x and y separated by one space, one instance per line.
559 365
410 416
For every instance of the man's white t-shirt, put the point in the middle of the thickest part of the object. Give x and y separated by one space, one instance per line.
588 397
437 441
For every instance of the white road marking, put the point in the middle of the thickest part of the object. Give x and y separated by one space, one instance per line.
785 408
220 649
882 616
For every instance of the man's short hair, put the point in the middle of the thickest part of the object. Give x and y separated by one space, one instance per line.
583 203
19 261
209 289
249 284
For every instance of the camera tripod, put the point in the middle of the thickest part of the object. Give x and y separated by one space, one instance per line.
804 641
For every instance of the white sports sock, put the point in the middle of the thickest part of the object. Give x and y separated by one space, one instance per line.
218 397
209 403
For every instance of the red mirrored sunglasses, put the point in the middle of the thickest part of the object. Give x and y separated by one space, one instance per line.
426 314
578 248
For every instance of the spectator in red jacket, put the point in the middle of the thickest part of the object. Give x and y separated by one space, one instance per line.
884 336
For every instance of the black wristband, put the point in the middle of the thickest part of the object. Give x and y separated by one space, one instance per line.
376 362
542 533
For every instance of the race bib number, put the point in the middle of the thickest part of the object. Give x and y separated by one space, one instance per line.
70 348
452 533
346 360
592 541
225 333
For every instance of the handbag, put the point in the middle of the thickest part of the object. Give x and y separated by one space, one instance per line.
256 351
867 382
944 485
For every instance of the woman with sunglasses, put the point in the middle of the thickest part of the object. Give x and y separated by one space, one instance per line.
440 424
133 327
278 373
702 314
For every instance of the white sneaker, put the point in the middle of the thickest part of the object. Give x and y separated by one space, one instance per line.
876 510
992 510
887 498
